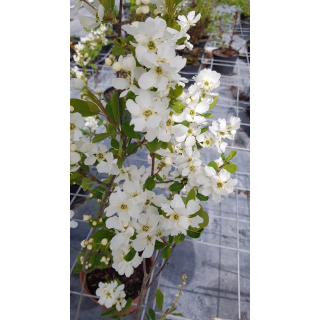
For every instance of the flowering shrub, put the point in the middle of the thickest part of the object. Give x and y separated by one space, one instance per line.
133 220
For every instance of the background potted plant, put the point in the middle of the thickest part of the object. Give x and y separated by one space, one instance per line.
134 220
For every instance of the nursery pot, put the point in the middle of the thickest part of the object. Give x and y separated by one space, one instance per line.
228 63
78 200
193 69
202 43
135 300
109 90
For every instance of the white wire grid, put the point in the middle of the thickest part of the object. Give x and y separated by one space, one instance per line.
242 76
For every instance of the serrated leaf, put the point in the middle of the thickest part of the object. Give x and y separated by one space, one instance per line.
179 238
101 137
159 299
191 195
166 253
230 168
131 254
150 183
213 165
213 104
129 131
176 186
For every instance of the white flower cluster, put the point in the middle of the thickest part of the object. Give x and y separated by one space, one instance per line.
137 213
111 293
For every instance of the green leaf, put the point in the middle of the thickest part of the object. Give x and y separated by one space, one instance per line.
166 253
159 245
213 165
177 314
175 93
204 215
93 107
101 137
123 105
208 115
154 145
181 40
108 313
147 316
118 51
159 299
201 197
152 314
109 110
114 104
179 238
115 143
83 107
131 254
203 130
215 100
230 168
164 145
129 131
129 38
131 147
176 186
222 156
128 304
194 233
191 195
185 123
158 177
150 183
86 183
231 155
177 106
102 234
120 163
77 269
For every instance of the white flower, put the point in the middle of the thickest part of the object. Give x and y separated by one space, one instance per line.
193 109
126 208
208 79
73 224
123 229
76 123
179 214
74 158
190 164
216 185
91 123
119 297
189 21
191 135
229 131
146 227
121 265
98 13
106 293
130 173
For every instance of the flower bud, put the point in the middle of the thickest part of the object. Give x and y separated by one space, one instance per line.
138 2
83 244
125 224
116 66
97 91
144 9
104 242
105 122
91 195
108 62
188 100
176 295
145 1
138 11
193 98
94 223
233 132
91 240
89 246
86 217
71 108
99 200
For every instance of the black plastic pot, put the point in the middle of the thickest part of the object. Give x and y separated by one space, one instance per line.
228 63
193 69
78 200
202 43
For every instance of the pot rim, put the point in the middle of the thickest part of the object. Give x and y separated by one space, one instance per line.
225 57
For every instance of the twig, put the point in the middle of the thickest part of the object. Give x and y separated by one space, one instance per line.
79 303
152 166
91 176
143 287
135 149
165 263
97 72
165 181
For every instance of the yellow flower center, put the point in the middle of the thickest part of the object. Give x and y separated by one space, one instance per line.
192 168
159 70
169 123
219 184
151 45
147 202
72 126
123 206
147 113
145 228
190 131
192 112
100 156
175 216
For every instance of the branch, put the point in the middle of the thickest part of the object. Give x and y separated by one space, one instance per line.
152 166
91 176
135 149
165 181
143 287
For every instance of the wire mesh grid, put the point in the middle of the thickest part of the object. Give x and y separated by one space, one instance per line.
226 295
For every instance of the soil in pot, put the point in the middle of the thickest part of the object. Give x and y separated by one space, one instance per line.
228 61
132 285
